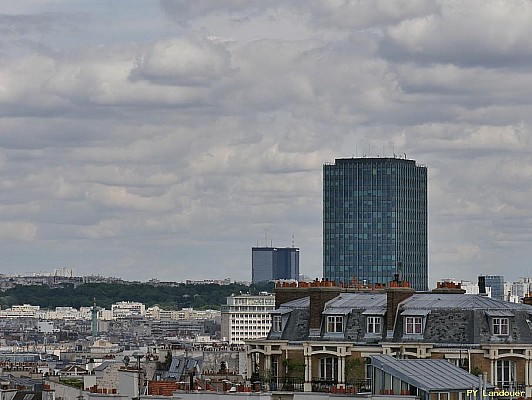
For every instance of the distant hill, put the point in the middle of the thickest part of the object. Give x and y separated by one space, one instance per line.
167 297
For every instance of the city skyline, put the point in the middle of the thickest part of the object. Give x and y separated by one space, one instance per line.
161 139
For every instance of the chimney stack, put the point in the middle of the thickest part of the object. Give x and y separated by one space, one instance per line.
448 287
396 292
482 285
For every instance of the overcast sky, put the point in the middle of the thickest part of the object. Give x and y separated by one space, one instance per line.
163 139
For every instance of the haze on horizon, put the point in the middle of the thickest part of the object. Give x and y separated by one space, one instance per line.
163 139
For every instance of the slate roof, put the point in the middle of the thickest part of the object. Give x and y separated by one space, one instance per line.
25 395
296 328
180 367
295 316
463 319
292 305
448 318
346 302
427 374
103 366
460 301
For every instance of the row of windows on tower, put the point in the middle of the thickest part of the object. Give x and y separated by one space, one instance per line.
341 214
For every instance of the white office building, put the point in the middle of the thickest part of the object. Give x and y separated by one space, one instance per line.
247 317
125 309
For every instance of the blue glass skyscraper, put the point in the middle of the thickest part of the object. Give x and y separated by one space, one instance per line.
496 283
273 263
375 221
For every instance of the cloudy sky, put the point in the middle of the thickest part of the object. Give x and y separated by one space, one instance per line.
163 139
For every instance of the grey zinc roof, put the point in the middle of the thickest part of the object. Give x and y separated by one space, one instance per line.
103 366
375 311
298 303
415 312
459 301
499 313
289 306
427 374
362 300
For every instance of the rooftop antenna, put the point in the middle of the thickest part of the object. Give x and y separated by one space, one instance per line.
265 237
399 271
293 244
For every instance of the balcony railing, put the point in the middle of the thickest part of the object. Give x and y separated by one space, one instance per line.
512 386
331 386
324 385
282 383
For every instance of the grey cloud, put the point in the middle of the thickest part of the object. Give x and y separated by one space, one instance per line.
491 33
183 10
170 147
366 14
30 25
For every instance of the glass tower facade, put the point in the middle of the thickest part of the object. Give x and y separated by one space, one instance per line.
375 221
496 283
272 263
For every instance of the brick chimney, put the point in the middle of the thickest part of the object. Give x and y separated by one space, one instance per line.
448 287
318 297
320 292
396 292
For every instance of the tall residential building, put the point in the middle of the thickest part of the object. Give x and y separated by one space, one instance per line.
375 221
247 317
272 263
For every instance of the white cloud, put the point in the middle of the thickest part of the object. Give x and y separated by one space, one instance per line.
184 62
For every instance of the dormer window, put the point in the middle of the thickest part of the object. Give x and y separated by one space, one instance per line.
414 321
276 323
413 325
501 326
500 321
373 325
335 324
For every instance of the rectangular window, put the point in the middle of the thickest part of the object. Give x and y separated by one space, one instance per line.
506 373
373 325
413 325
276 323
335 324
500 326
329 368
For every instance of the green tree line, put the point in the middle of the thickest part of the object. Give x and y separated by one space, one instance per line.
167 297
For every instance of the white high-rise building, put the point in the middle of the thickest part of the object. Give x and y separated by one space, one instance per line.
247 317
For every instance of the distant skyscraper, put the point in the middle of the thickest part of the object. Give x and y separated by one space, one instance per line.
375 221
496 283
271 263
